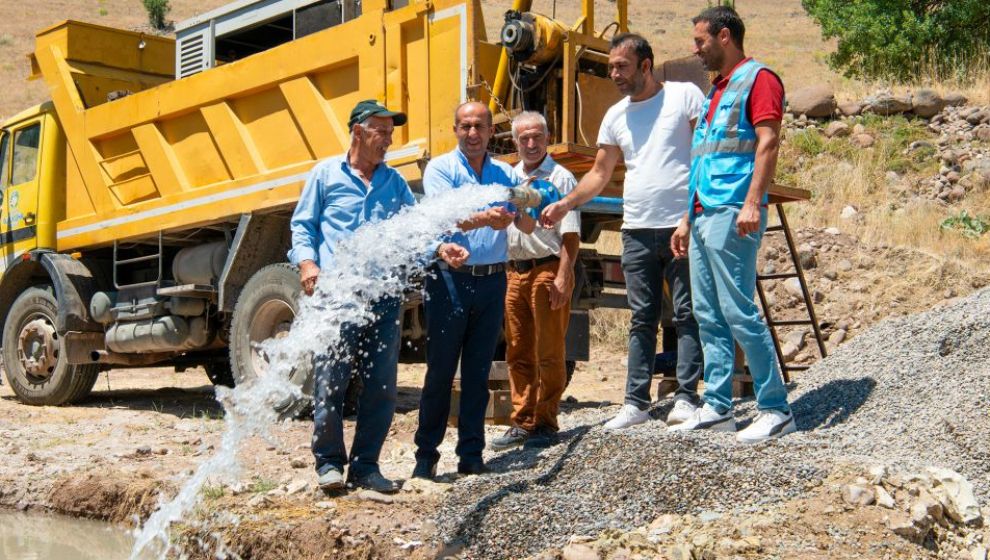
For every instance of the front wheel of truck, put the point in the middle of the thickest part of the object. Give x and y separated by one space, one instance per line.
36 367
265 310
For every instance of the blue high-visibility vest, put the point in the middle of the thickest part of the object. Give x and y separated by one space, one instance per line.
723 152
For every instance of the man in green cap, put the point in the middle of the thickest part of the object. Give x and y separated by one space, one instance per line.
341 194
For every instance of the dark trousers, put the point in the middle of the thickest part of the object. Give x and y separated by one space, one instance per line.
646 262
463 320
372 351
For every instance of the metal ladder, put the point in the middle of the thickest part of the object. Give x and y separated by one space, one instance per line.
809 304
118 263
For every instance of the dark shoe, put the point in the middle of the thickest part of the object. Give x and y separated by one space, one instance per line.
425 469
542 438
513 437
331 480
374 481
474 467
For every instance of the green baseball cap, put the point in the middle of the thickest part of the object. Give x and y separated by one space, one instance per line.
372 108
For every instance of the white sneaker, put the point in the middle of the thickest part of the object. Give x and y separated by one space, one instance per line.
630 415
683 410
707 418
770 424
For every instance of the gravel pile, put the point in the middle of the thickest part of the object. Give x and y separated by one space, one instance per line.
910 392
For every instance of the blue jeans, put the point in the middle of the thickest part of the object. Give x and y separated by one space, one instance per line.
373 352
647 262
723 279
463 321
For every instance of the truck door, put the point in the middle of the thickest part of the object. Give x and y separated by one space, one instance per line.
18 223
4 181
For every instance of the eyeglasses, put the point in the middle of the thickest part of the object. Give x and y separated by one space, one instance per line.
465 127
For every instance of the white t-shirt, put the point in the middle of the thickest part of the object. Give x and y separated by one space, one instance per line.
655 138
545 242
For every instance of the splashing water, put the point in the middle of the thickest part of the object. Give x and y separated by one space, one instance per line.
376 261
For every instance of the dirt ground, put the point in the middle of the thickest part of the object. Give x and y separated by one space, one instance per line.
143 431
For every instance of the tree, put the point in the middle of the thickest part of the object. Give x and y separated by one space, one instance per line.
904 39
157 11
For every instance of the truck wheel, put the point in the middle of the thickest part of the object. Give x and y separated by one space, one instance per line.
265 310
36 368
219 373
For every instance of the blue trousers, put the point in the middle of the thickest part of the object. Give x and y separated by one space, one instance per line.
463 321
373 352
647 262
723 282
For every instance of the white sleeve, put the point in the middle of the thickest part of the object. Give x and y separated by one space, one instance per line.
693 101
565 183
606 137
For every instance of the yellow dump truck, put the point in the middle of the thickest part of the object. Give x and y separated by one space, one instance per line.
145 207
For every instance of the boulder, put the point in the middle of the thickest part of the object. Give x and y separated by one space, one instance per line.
956 495
902 524
850 108
580 552
982 132
816 101
858 495
954 99
848 213
837 337
837 129
978 117
926 103
886 103
862 140
884 499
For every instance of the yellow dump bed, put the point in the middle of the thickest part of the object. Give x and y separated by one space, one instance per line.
169 154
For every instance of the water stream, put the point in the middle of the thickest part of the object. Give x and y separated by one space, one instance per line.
377 261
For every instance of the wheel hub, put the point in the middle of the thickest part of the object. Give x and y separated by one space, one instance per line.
38 348
272 320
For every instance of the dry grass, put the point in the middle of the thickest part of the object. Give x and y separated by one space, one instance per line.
841 175
21 19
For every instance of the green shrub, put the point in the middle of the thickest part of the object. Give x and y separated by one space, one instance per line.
157 11
904 39
808 142
969 226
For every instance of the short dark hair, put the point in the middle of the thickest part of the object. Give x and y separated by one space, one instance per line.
723 17
639 45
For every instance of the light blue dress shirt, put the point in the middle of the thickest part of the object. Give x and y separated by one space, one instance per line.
335 202
452 170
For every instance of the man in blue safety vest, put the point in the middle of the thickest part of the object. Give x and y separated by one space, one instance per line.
733 158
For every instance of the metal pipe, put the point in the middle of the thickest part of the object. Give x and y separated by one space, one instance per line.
588 12
502 73
622 15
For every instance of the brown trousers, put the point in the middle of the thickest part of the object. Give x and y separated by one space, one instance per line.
534 336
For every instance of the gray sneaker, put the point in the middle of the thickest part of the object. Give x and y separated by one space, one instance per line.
331 480
513 437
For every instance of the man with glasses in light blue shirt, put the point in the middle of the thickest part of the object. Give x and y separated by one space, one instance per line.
341 194
465 305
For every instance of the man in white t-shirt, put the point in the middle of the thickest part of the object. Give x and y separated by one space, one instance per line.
651 130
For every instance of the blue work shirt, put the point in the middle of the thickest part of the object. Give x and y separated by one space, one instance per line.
452 170
335 202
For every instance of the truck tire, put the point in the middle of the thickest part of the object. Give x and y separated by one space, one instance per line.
36 368
220 373
264 310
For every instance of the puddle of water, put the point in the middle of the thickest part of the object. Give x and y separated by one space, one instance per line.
35 536
377 261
